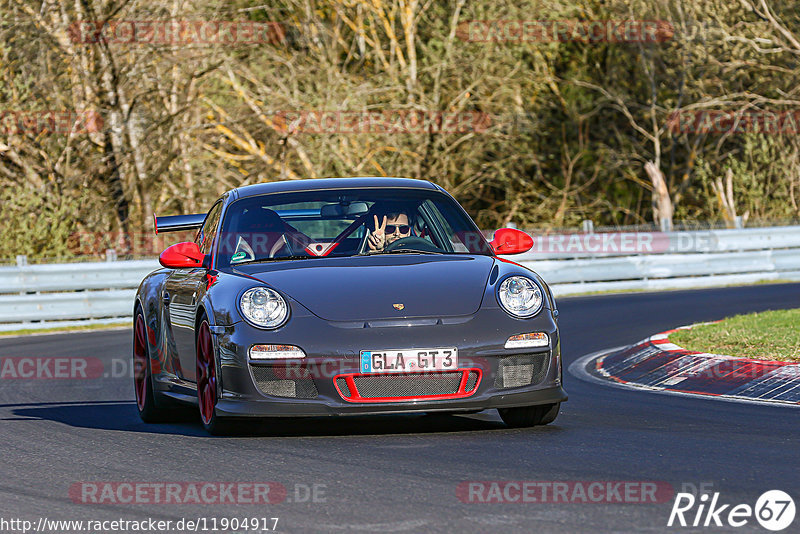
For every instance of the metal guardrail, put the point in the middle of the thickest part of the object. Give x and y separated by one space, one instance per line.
73 277
75 305
39 296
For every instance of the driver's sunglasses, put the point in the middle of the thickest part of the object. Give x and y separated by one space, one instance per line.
403 228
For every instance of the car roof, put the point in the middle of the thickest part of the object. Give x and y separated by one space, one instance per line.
314 184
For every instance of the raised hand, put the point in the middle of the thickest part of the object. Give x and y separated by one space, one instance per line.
377 238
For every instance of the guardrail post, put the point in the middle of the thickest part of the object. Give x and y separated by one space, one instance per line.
588 227
22 260
666 224
111 254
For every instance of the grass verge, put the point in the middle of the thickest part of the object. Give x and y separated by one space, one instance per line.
74 328
770 335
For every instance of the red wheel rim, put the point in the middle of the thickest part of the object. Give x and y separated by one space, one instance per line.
206 374
140 366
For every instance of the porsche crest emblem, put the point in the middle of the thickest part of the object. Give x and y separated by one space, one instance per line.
399 306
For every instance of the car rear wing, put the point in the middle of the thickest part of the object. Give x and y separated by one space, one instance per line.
176 223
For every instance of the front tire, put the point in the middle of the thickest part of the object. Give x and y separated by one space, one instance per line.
207 383
529 415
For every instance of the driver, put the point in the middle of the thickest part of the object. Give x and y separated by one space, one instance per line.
388 229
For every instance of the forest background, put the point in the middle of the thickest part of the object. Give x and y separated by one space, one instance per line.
536 113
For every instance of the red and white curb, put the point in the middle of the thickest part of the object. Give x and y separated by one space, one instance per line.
657 364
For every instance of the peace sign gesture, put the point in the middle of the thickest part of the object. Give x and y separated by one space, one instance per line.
377 238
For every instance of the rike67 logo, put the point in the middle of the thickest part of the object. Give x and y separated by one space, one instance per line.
774 510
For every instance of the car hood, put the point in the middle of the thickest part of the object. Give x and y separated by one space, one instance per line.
368 288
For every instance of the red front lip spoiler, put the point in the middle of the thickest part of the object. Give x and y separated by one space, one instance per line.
460 394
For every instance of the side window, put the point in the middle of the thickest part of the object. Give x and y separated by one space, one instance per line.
422 227
205 237
438 220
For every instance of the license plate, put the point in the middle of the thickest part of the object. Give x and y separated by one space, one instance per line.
408 360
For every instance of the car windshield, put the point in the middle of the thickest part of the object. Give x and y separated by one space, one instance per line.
352 222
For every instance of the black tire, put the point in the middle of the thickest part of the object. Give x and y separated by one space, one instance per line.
529 415
146 402
220 426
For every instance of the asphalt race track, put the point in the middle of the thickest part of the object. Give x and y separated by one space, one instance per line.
400 474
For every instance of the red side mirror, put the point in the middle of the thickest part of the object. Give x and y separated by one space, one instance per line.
511 241
182 256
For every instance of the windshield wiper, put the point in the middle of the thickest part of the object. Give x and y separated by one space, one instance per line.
411 251
282 258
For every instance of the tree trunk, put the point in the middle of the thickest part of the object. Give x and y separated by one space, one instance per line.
662 204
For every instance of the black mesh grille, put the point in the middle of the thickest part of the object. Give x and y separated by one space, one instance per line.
408 385
278 385
523 370
472 381
343 387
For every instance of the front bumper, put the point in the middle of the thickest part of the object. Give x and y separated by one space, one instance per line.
333 349
319 407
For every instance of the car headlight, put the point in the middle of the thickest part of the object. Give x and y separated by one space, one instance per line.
264 307
520 296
